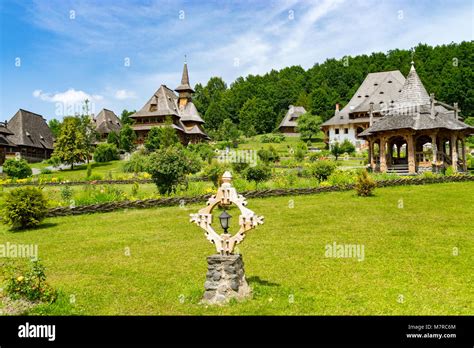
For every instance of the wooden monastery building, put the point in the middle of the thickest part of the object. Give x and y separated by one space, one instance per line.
290 121
164 104
26 134
378 90
107 122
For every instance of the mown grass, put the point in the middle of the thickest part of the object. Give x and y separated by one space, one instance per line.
408 252
283 148
108 170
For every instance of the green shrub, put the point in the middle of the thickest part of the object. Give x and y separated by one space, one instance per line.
26 281
321 170
301 145
169 167
113 138
24 207
339 149
259 173
299 154
137 163
428 175
46 171
18 169
135 188
214 172
106 152
348 147
365 184
95 177
268 155
449 171
314 156
54 161
272 138
93 194
341 177
204 150
471 162
240 167
66 193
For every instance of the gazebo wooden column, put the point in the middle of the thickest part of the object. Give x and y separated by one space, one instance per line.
383 156
454 152
411 154
370 155
434 146
464 166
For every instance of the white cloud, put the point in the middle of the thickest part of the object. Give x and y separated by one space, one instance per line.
71 96
122 94
229 40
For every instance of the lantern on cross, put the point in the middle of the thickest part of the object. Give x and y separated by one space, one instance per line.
226 196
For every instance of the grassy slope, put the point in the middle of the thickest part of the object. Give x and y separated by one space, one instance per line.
254 143
80 172
407 251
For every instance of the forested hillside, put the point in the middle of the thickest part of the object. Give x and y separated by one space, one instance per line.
258 103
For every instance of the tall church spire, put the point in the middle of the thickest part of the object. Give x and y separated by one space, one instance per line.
184 86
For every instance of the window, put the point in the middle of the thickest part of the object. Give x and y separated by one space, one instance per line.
346 130
337 130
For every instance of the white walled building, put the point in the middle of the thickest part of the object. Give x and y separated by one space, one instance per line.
377 92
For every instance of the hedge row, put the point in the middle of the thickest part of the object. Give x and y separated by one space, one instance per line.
172 201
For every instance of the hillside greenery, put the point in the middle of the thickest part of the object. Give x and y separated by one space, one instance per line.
257 103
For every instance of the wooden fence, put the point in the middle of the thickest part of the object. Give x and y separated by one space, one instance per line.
173 201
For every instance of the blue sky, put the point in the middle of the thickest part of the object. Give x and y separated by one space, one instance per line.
54 54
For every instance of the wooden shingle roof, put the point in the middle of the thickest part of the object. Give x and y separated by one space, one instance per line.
380 88
107 122
184 86
190 113
291 116
414 109
30 129
162 103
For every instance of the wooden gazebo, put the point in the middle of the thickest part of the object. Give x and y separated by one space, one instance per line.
417 133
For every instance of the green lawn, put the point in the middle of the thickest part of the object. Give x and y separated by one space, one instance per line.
282 148
408 252
113 168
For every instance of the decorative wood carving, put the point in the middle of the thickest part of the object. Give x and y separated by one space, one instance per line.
226 195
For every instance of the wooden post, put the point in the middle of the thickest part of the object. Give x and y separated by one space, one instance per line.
434 146
370 156
383 158
464 155
390 152
411 154
454 152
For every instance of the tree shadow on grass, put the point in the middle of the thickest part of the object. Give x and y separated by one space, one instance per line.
39 227
258 280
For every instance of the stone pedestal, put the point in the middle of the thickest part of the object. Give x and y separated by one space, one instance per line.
225 279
